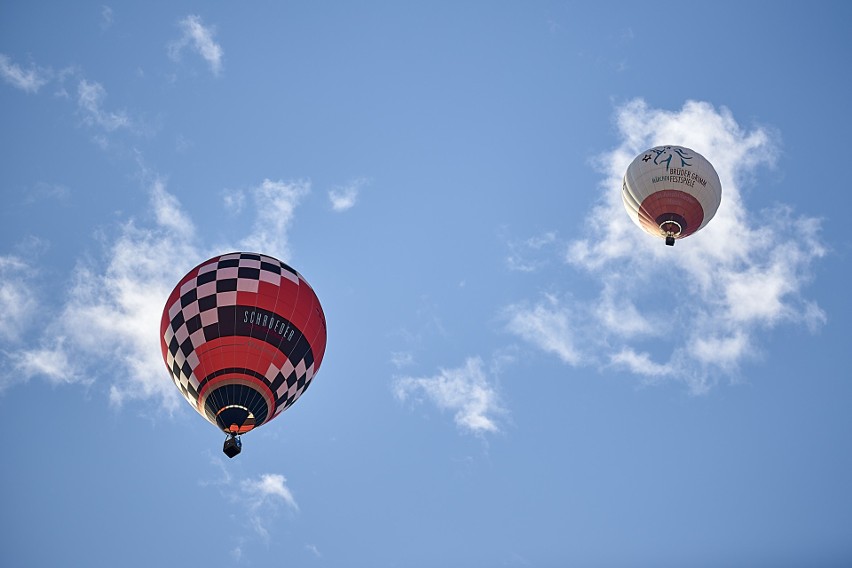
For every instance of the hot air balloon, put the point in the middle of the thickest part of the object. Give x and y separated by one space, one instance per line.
671 192
242 336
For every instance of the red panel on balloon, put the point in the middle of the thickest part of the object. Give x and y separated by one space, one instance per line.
242 335
673 205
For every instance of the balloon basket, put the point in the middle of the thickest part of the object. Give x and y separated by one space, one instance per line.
233 446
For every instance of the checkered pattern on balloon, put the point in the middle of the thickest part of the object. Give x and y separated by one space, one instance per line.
243 335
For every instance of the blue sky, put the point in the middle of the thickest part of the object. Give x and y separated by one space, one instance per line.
516 375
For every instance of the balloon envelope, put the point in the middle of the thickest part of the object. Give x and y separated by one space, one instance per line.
671 192
242 336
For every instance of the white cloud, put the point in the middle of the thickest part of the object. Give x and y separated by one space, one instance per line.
269 487
528 255
344 197
90 97
464 390
43 191
52 363
263 497
401 359
108 327
275 201
549 325
200 38
17 297
704 301
259 500
120 308
237 554
234 200
641 363
618 314
106 17
721 349
169 213
19 309
30 80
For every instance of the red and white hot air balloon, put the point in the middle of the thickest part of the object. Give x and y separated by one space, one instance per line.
242 336
671 192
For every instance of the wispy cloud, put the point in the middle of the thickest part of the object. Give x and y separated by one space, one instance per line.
237 553
263 497
641 364
107 17
259 500
18 306
111 316
52 362
465 390
199 38
90 95
20 311
703 302
529 255
118 300
401 359
275 201
270 487
17 298
120 306
90 98
43 191
233 200
550 325
344 197
29 80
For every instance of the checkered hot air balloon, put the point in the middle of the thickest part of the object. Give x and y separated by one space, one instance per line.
671 192
242 336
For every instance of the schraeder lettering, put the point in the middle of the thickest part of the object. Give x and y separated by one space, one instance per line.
272 323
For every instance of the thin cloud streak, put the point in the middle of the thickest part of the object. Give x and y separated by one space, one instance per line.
18 307
258 499
549 325
263 497
270 487
464 390
29 81
107 17
529 255
234 200
344 197
200 38
90 97
17 299
275 203
53 363
706 301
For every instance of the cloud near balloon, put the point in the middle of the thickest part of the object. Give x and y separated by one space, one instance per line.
466 391
344 197
112 311
694 312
